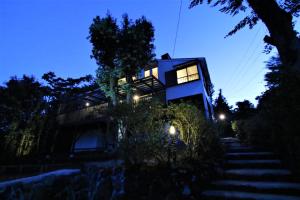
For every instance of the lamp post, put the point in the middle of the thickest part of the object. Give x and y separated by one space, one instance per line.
172 146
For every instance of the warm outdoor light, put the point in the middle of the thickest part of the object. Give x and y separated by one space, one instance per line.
222 116
87 104
136 97
172 130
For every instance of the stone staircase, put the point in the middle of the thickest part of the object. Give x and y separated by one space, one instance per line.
252 174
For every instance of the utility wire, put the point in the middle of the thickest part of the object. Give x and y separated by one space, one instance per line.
250 81
238 67
246 67
177 28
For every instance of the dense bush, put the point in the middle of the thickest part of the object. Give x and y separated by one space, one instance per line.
275 124
145 137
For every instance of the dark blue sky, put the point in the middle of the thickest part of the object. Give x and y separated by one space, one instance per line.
37 36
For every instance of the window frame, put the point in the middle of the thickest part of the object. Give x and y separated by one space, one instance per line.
188 76
148 70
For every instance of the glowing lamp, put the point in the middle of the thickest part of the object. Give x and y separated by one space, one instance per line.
172 130
136 97
222 117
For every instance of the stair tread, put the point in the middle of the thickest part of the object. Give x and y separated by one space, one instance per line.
249 153
253 161
259 184
258 172
247 195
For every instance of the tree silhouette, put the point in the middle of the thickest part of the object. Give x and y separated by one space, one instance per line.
221 106
278 18
22 112
104 38
121 51
244 110
136 49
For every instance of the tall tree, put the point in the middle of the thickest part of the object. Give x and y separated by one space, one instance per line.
104 38
22 112
60 91
136 49
221 106
121 51
278 18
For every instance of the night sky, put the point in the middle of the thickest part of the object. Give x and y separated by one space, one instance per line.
37 36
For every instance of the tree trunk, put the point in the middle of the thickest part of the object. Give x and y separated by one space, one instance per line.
129 92
113 90
282 33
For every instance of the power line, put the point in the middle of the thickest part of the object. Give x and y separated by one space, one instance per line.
177 28
246 67
250 81
238 67
242 67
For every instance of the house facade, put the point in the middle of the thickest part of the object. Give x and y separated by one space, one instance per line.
170 80
184 79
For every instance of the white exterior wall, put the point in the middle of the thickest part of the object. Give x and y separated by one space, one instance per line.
186 89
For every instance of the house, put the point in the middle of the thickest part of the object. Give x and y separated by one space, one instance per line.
170 80
185 79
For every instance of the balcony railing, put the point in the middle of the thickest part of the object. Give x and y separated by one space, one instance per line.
82 115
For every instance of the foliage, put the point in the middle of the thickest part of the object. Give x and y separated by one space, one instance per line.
59 87
120 51
244 111
278 17
221 106
233 7
28 113
22 113
194 130
142 133
136 48
275 124
145 135
104 38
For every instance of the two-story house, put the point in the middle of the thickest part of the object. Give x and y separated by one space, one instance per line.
171 80
184 79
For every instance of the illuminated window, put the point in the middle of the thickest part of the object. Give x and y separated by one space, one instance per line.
182 76
155 72
122 81
187 74
147 73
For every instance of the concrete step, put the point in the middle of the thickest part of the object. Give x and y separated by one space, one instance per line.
229 140
221 194
258 187
259 174
250 155
263 164
242 149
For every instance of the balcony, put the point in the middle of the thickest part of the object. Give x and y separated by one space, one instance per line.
87 114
